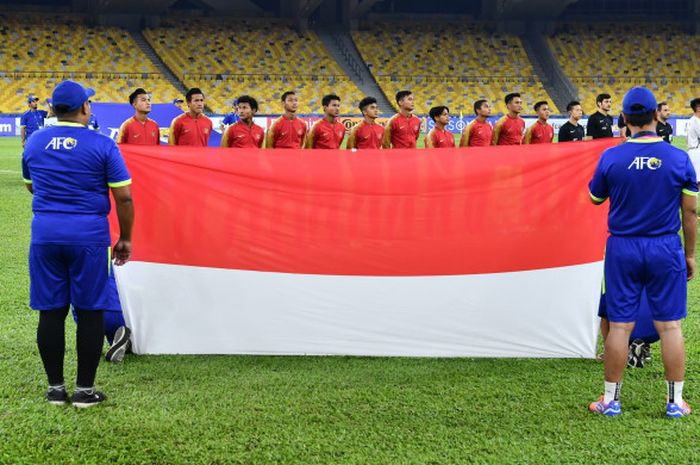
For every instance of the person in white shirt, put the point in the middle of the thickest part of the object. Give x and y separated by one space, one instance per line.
693 134
51 119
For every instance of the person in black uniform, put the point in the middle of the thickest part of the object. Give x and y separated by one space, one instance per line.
571 130
624 132
663 128
600 123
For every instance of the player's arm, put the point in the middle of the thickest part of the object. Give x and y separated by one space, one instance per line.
497 132
270 137
26 177
352 138
690 226
598 187
386 139
224 138
125 213
592 126
122 135
429 142
528 134
309 139
464 140
23 129
174 127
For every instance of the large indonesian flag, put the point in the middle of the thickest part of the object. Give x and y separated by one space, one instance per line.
465 252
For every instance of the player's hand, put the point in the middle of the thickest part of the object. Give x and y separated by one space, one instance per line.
690 264
121 252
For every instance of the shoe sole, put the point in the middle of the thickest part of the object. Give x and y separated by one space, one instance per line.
86 404
117 351
58 402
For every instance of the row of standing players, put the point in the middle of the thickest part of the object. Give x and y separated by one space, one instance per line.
402 130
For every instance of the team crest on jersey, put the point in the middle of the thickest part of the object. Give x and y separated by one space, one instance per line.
640 163
58 143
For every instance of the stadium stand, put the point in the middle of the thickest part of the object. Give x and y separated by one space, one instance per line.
40 51
262 59
613 57
450 64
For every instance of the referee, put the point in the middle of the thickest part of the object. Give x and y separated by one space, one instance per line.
647 181
600 123
70 170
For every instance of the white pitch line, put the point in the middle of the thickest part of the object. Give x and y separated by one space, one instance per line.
10 172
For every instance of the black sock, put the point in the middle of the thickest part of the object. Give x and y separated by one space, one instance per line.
89 337
51 340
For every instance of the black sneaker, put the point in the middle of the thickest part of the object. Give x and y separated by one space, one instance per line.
646 352
635 359
57 395
119 345
87 398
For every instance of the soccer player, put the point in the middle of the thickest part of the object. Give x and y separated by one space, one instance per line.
402 129
439 137
509 129
70 170
139 129
622 126
192 127
600 123
540 132
571 130
244 133
693 134
478 133
230 118
287 131
31 120
663 128
328 132
368 133
644 251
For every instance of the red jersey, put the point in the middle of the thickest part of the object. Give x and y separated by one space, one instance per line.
286 133
366 136
508 131
477 134
401 132
539 133
242 136
325 135
439 139
133 131
186 130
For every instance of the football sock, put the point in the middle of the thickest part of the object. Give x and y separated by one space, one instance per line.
675 391
612 392
50 338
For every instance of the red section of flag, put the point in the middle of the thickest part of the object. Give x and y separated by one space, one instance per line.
373 213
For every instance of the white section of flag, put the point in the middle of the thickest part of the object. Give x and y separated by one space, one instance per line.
174 309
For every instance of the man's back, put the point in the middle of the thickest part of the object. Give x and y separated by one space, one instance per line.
644 178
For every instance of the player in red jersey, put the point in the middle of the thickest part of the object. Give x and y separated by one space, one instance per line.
287 131
402 129
439 137
540 132
244 134
139 129
192 127
479 132
328 132
509 129
368 133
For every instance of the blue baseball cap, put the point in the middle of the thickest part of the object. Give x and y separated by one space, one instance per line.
71 95
178 100
31 99
638 96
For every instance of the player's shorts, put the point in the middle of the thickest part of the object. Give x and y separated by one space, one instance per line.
71 274
654 264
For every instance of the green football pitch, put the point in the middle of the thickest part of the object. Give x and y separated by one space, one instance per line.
321 410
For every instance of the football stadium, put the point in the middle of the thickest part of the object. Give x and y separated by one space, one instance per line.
349 232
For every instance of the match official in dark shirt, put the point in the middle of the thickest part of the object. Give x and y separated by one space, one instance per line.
663 127
571 130
600 123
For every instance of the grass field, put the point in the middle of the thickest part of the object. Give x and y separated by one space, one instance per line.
321 410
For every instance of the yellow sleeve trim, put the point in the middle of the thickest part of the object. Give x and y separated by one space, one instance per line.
29 181
597 199
120 183
689 192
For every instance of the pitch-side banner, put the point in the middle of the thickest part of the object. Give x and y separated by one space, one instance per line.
493 252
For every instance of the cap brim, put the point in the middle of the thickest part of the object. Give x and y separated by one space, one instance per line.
89 92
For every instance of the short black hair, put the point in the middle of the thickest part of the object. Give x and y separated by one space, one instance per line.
327 99
695 103
478 104
570 106
641 119
193 91
249 100
63 111
400 95
437 111
287 94
540 103
511 96
365 102
601 97
136 93
661 105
